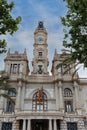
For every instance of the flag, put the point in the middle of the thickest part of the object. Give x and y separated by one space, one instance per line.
40 94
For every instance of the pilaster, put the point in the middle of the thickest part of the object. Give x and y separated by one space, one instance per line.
22 98
1 102
81 125
61 106
57 96
16 125
63 125
77 102
18 98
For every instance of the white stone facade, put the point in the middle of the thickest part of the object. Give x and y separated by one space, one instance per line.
43 101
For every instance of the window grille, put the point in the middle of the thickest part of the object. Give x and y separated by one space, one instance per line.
71 126
68 100
6 126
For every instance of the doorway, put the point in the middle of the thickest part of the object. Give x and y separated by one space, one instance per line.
39 124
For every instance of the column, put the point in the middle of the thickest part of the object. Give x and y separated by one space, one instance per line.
77 105
55 125
22 98
29 125
24 124
12 68
61 96
1 102
18 97
0 125
50 124
57 99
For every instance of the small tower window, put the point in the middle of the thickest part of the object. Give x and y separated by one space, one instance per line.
40 54
66 69
14 68
40 69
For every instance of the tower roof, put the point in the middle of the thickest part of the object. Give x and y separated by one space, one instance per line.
40 28
40 25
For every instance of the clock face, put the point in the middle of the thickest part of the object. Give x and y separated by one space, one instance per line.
40 39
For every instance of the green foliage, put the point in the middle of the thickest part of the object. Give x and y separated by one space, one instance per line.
7 23
75 22
5 87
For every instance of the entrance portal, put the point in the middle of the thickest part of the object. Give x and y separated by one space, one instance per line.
39 124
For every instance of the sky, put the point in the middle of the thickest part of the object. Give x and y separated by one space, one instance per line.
33 11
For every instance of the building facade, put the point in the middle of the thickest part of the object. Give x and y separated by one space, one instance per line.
43 101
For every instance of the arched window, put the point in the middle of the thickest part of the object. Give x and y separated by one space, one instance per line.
68 100
12 93
67 92
39 101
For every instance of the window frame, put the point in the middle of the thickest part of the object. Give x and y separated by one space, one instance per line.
39 105
6 125
68 100
11 93
71 126
40 53
68 105
10 107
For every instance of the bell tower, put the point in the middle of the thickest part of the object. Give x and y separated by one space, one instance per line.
40 61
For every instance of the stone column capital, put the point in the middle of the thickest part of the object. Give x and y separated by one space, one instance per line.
75 84
20 83
60 84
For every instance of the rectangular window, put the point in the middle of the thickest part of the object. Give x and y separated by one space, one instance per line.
6 126
68 106
14 68
66 69
40 54
72 126
10 107
11 93
39 69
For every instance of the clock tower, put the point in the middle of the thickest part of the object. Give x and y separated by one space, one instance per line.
40 61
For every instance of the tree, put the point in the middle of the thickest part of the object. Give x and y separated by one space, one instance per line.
5 88
7 23
75 37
